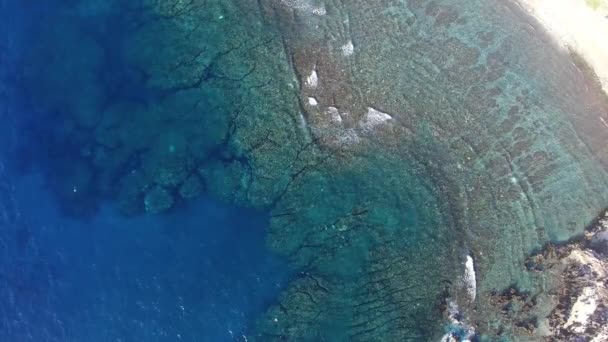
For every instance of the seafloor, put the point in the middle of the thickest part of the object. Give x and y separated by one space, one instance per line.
402 157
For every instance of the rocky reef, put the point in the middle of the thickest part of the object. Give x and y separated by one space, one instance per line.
469 100
167 106
572 303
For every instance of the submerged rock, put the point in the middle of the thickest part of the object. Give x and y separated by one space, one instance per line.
599 241
191 187
573 305
583 299
157 200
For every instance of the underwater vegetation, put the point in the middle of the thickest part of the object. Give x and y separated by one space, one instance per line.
398 145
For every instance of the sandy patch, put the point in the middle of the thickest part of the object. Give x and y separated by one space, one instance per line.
579 25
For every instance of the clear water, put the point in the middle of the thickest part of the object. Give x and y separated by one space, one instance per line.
216 170
201 273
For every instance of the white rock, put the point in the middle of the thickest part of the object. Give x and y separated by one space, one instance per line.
585 306
348 49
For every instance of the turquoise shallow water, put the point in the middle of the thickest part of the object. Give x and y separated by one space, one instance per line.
287 170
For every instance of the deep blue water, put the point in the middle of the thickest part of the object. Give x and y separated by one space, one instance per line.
200 273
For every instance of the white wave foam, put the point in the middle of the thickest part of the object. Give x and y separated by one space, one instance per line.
448 338
470 278
333 114
306 6
373 118
312 81
458 327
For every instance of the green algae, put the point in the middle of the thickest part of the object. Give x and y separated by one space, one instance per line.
460 131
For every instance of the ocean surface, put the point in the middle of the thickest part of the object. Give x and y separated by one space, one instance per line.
287 170
201 273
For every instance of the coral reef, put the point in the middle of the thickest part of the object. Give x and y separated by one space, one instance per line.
157 200
191 187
